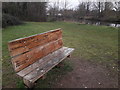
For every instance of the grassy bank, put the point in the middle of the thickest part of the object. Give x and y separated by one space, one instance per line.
96 43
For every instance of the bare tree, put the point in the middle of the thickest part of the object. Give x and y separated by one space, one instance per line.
108 6
117 6
117 9
82 10
54 9
87 4
99 7
65 5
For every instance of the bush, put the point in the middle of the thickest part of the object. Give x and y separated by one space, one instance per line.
8 20
51 19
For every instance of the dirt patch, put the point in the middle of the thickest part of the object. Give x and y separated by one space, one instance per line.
87 74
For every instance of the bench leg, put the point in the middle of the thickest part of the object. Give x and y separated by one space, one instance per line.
69 56
61 64
28 83
43 77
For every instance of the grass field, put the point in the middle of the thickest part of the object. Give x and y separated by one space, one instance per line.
96 43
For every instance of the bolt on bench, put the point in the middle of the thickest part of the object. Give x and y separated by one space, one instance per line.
34 56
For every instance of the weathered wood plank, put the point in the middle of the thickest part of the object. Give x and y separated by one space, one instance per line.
58 57
40 62
24 60
19 46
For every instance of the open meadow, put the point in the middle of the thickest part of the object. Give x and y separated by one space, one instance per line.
97 44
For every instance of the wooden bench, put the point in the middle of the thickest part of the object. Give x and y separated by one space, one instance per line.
34 56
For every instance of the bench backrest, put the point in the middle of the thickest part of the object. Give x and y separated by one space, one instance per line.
26 51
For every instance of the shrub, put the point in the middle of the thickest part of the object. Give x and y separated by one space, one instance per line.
51 19
8 20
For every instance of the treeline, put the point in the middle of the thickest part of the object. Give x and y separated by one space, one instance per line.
32 11
15 12
104 11
23 11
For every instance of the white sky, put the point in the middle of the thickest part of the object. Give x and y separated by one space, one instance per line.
72 3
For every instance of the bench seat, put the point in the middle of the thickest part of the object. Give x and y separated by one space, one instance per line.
43 65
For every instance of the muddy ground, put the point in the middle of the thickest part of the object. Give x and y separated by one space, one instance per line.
87 74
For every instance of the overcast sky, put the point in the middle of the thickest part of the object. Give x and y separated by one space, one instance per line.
72 3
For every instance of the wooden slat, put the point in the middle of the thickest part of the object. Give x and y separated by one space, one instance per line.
40 62
19 46
24 60
59 55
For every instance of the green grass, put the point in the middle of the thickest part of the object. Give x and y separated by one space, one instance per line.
96 43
